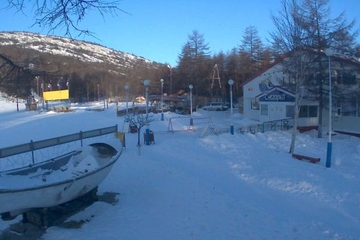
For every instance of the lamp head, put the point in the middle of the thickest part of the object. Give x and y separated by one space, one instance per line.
146 83
329 52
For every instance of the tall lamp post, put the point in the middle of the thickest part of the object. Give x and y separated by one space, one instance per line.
191 118
42 94
329 52
147 132
98 91
126 98
170 73
162 99
37 85
231 82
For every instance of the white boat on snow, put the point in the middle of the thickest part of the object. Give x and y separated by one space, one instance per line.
58 180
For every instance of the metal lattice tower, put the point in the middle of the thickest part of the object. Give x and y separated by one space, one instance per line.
215 76
215 86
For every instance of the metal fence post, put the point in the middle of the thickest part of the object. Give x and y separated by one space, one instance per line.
81 138
32 151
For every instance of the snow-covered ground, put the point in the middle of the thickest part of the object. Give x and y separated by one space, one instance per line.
242 186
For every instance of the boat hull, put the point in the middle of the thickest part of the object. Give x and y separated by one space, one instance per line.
46 193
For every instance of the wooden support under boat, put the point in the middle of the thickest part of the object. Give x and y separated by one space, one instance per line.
56 215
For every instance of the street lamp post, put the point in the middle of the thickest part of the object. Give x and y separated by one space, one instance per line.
162 99
17 102
37 85
147 132
126 97
329 52
98 91
191 118
231 82
42 94
170 75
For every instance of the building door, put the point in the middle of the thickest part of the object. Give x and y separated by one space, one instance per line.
276 112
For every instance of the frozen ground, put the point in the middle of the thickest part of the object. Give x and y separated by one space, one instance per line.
244 186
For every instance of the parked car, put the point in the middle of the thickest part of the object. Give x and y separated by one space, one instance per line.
163 106
215 106
229 105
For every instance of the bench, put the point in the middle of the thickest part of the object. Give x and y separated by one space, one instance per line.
307 158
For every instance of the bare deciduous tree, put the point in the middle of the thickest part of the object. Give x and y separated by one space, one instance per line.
67 14
14 77
290 38
323 32
304 27
138 120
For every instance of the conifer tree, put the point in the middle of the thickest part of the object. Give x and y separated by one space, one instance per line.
194 63
251 52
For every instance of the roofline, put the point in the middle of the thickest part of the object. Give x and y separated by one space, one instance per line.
286 55
273 88
279 60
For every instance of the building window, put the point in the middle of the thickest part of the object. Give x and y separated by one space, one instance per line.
303 113
255 104
348 107
264 109
290 111
308 111
345 77
313 111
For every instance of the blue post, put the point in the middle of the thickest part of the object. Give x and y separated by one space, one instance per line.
162 99
328 156
329 53
231 82
147 133
147 136
232 130
191 118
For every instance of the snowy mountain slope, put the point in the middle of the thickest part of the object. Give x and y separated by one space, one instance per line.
84 51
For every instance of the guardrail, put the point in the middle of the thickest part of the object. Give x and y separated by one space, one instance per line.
282 124
130 110
33 146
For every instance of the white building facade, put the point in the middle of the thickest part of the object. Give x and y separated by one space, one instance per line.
265 98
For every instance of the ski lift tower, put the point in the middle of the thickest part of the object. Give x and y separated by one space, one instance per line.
215 86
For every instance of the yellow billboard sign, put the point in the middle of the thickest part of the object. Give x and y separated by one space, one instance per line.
56 95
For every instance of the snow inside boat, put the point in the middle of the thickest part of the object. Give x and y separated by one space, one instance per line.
58 180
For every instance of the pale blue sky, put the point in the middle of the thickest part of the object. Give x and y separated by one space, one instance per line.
157 29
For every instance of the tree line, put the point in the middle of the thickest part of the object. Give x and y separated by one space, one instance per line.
296 28
299 25
209 73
